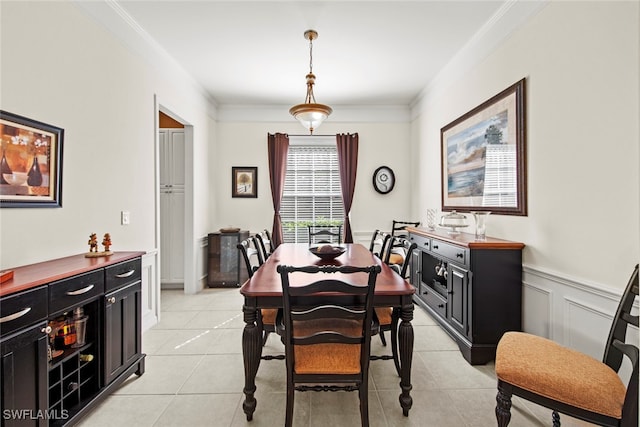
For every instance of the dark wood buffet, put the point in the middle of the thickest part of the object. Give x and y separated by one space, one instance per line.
70 333
473 288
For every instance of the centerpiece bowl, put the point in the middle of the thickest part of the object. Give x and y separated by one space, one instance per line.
327 252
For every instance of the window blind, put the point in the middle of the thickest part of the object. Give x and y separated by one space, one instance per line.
312 192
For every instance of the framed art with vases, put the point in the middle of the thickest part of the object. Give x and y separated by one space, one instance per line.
31 164
483 156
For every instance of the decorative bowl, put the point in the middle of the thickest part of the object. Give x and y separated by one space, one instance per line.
327 252
16 178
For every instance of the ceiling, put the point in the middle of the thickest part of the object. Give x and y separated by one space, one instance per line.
254 52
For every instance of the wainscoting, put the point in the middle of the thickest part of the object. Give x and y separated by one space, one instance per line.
150 290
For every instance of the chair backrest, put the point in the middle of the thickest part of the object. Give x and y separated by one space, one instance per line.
398 227
617 347
402 246
247 251
379 238
263 241
325 233
329 300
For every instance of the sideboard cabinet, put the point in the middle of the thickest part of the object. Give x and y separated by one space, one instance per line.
473 288
52 373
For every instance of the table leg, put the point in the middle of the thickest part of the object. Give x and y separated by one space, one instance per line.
251 352
405 344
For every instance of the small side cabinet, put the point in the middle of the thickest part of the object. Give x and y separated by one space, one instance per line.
224 259
473 288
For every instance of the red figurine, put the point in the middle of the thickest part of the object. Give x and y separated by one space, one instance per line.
106 242
93 243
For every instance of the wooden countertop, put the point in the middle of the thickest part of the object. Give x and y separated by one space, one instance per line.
32 275
466 239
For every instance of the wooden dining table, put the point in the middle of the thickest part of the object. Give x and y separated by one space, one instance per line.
264 290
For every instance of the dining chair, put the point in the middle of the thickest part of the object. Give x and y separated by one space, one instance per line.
264 243
325 233
388 316
569 382
379 240
326 324
398 228
267 317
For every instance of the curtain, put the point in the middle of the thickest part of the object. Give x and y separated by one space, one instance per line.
347 146
278 147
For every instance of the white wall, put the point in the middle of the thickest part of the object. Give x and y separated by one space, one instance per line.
580 60
245 144
61 67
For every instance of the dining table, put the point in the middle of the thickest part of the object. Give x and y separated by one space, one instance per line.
264 290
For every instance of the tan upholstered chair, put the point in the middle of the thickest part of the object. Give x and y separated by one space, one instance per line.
567 381
327 337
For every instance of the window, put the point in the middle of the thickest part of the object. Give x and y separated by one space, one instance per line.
312 191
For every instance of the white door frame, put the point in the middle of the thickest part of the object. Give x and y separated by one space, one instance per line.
191 286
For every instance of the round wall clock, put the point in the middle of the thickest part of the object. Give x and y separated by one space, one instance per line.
383 180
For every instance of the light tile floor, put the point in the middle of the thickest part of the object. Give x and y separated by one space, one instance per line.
194 377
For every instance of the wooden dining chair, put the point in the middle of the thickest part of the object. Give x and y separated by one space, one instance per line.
264 243
569 382
388 317
325 233
398 228
267 316
326 325
378 243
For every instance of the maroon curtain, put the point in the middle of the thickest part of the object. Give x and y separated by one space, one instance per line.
278 147
347 146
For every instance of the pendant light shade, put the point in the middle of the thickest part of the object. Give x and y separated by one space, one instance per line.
310 114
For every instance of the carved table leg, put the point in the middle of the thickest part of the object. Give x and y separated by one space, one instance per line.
405 347
251 352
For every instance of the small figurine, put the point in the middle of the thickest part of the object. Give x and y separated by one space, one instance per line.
93 243
106 242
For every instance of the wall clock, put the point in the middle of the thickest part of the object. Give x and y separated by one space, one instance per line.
383 180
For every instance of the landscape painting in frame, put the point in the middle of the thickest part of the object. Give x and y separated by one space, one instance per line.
483 157
31 165
244 181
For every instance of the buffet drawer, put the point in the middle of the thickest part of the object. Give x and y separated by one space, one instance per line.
69 293
122 274
22 309
422 242
452 252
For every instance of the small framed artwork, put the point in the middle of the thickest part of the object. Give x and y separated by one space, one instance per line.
483 156
31 165
244 181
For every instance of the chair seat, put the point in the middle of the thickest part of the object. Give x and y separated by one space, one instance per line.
384 315
396 258
546 368
269 315
327 358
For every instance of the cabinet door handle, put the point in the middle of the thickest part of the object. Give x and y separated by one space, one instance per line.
127 274
15 316
435 246
80 291
111 300
47 330
440 305
459 255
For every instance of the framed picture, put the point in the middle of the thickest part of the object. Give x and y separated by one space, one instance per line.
244 181
483 156
31 165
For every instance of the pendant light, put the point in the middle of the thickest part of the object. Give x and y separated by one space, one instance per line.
310 114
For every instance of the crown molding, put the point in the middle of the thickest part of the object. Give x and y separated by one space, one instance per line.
512 15
341 113
110 15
